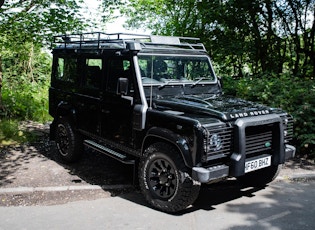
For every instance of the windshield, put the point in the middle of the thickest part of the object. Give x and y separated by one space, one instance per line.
178 69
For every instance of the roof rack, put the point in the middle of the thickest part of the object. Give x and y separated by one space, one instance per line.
100 40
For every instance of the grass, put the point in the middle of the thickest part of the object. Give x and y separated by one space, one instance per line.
11 133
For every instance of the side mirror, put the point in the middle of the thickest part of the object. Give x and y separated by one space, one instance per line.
122 86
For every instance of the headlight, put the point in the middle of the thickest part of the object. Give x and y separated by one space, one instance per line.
218 141
215 142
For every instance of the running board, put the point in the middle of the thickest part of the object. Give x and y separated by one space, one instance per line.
109 152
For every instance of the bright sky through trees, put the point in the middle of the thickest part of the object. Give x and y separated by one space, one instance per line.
92 9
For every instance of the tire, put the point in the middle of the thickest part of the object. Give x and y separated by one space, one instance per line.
164 179
69 143
260 177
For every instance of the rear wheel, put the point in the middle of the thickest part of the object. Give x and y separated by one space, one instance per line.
261 177
165 180
69 143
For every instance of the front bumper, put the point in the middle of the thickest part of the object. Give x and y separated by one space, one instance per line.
289 151
206 175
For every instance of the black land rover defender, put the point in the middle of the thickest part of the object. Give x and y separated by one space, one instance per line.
156 102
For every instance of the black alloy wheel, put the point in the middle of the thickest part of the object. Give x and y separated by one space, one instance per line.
165 180
162 178
69 143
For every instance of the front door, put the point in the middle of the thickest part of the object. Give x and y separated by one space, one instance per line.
117 108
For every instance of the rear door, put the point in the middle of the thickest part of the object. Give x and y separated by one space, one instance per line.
88 96
64 82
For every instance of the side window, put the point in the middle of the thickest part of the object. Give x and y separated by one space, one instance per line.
66 69
93 73
126 65
145 67
119 68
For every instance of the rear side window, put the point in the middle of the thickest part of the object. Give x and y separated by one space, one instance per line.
66 69
93 73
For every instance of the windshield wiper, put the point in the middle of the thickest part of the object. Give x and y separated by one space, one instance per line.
162 86
197 82
166 83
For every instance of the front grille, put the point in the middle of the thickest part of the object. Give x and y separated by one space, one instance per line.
259 139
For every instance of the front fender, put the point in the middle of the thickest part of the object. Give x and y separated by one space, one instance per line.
156 134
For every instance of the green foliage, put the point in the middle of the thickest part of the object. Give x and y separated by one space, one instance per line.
26 28
26 102
292 94
245 37
37 21
305 123
160 16
26 77
10 133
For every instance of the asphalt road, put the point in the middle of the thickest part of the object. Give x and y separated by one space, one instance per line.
281 205
38 191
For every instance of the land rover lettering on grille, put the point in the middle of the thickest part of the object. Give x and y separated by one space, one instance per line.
247 114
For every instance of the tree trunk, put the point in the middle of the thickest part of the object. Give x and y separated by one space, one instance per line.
312 43
1 105
296 36
260 55
30 63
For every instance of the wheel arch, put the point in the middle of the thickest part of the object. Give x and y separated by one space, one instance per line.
64 109
156 134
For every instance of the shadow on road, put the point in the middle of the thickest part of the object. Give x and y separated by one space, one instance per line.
222 192
210 196
97 169
14 158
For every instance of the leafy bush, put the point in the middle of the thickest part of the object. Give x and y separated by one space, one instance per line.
25 71
294 95
26 102
26 77
22 102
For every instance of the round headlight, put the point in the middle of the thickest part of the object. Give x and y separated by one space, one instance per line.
215 142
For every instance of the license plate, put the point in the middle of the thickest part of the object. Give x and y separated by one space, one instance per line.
257 164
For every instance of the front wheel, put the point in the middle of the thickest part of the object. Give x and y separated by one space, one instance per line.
260 177
164 179
69 143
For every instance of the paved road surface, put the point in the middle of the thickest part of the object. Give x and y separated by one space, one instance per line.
40 192
281 205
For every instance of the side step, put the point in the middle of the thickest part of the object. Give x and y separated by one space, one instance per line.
109 152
